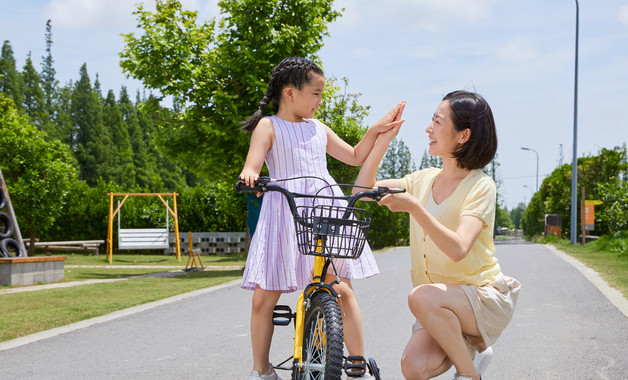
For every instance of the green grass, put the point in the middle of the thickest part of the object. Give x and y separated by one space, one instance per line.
604 258
26 313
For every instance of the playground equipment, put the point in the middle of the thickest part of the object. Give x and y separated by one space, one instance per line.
142 238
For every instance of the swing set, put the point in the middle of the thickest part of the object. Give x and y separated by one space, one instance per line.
142 238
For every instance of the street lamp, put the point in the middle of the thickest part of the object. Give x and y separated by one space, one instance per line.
537 165
574 163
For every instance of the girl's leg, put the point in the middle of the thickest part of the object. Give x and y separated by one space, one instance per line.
423 358
262 327
445 313
351 316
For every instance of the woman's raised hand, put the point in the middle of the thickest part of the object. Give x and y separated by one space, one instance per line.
391 120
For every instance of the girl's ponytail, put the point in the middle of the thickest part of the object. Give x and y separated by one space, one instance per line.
249 124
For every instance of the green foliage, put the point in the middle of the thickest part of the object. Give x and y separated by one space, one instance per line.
38 173
397 162
553 196
516 213
344 115
388 229
216 70
615 243
11 83
614 208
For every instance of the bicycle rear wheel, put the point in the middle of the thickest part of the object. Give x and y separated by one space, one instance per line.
322 340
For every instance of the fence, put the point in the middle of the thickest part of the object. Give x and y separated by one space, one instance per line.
210 243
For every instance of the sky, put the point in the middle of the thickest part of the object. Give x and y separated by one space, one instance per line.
519 55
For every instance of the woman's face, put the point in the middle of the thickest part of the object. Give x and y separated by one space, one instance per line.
443 137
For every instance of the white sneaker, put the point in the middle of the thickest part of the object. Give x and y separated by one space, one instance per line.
480 362
270 375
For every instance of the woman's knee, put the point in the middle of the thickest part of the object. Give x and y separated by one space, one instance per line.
421 299
412 368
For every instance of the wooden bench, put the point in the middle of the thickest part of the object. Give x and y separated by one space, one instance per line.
91 247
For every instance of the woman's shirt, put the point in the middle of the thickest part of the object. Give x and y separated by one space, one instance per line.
475 195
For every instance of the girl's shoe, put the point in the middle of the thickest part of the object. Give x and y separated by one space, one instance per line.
270 375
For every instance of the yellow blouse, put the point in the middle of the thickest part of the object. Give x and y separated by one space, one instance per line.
475 195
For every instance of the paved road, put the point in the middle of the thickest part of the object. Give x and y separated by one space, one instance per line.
563 328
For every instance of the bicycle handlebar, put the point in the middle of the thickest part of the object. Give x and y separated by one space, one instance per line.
263 184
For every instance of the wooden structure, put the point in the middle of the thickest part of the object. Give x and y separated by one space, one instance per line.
142 238
193 256
91 247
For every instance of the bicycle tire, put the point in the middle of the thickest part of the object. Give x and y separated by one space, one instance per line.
322 340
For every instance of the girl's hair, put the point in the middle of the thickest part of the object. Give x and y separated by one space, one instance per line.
470 110
296 72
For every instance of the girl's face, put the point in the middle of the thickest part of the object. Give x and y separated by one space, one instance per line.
444 139
307 100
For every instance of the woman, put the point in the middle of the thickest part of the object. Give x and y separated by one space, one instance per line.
461 300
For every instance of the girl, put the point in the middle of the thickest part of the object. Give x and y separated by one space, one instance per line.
294 144
461 299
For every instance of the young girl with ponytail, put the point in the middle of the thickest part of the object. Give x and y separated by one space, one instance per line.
293 144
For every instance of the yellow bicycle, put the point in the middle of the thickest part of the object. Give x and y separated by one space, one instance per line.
328 231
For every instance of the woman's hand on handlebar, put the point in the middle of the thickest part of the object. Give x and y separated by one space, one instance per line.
396 202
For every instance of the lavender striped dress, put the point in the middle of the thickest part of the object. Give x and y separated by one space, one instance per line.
274 262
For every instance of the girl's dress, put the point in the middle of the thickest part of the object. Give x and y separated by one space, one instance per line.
274 261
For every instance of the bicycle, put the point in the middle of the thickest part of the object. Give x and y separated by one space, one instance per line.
328 232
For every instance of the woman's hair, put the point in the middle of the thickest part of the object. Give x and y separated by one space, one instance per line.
470 110
295 72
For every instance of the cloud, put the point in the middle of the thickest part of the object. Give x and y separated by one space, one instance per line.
623 15
93 14
516 50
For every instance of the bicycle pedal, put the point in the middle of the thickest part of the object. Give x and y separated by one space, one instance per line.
355 366
282 315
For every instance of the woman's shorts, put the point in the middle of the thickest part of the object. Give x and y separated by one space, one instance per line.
493 306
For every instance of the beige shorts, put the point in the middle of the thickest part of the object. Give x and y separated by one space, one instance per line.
493 306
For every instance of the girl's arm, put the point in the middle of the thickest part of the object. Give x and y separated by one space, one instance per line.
355 156
455 244
262 140
368 172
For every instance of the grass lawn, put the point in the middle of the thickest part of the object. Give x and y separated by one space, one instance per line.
30 312
611 266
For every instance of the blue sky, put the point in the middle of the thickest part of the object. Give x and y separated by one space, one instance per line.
518 54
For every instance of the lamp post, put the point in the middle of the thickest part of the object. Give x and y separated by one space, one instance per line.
537 165
574 163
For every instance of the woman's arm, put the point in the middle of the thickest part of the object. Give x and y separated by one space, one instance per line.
455 244
355 156
261 141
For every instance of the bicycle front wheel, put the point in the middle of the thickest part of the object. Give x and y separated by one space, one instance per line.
322 340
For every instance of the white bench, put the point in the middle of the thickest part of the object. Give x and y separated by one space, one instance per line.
143 238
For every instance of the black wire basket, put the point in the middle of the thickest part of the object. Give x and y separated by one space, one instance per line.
332 231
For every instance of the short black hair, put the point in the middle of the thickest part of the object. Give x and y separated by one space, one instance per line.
470 110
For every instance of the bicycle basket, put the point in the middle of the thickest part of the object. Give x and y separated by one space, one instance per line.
332 231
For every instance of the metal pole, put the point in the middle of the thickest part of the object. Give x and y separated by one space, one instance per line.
537 165
574 163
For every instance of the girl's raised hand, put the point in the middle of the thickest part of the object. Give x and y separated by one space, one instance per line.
391 120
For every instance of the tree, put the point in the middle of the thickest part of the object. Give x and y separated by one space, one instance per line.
33 101
123 170
217 70
606 167
48 81
516 213
397 162
38 173
93 142
428 161
10 80
344 115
